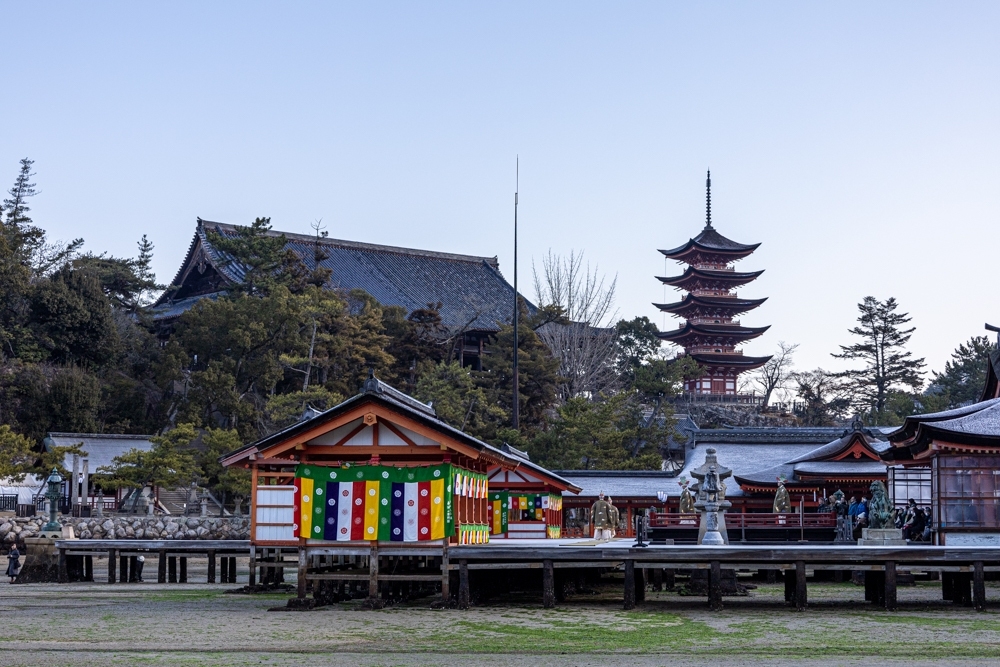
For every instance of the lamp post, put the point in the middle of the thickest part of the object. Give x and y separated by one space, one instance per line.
53 493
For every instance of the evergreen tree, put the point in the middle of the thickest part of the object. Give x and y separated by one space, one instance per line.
458 401
260 257
538 374
888 366
964 374
16 454
169 463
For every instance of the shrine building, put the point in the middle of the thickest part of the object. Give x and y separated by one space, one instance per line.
382 468
710 334
474 297
951 460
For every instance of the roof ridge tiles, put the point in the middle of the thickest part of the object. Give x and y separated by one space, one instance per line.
374 247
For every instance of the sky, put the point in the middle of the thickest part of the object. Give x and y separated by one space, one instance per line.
857 142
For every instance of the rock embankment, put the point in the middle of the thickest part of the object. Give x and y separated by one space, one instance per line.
133 527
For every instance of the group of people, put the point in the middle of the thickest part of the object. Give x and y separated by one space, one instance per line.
604 516
914 521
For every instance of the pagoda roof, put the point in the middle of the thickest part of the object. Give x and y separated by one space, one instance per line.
734 360
691 329
711 242
692 274
692 302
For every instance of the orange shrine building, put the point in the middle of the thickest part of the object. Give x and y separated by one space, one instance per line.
381 468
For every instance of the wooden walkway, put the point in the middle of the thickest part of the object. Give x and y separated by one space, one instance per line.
76 558
435 563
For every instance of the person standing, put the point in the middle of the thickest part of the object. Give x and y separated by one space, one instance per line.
600 515
13 562
615 517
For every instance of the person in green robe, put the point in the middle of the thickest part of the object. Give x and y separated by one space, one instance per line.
600 516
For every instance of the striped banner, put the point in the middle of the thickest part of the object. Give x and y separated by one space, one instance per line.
376 502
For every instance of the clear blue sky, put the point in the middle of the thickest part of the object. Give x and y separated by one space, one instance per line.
858 142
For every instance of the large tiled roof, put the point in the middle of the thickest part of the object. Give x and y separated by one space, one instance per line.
473 293
977 424
101 448
620 484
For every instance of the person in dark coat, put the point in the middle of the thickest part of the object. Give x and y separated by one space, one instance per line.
13 562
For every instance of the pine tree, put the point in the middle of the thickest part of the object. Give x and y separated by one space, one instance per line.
965 374
888 365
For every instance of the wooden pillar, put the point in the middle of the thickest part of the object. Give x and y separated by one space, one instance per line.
445 575
123 569
63 571
253 566
978 586
112 564
300 582
211 566
224 569
948 586
463 584
172 569
715 586
669 578
161 566
963 589
372 571
890 586
800 585
658 578
548 585
232 569
640 585
183 578
629 584
88 568
789 586
133 568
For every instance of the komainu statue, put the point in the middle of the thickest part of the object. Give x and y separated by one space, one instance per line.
879 509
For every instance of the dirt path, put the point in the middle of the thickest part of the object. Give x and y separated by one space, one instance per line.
88 624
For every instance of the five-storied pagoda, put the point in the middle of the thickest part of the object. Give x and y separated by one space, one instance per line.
709 333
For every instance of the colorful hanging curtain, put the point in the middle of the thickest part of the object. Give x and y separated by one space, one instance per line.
376 502
473 533
499 512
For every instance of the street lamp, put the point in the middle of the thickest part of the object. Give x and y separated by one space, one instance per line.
54 495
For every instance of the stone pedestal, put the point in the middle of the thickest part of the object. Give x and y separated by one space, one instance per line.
881 537
41 560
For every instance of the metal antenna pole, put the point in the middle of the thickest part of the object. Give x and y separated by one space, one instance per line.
515 411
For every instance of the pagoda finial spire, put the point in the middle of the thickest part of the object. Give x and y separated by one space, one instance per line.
708 200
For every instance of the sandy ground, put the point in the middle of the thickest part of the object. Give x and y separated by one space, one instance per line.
196 624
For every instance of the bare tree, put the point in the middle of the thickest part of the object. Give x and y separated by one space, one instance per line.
775 374
585 341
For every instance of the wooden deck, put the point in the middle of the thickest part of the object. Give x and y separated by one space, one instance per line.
962 568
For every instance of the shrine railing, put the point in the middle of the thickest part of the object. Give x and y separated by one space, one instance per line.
746 520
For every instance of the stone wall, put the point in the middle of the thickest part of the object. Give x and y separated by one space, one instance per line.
133 527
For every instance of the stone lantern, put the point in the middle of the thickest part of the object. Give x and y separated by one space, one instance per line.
53 494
